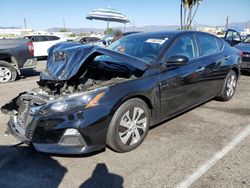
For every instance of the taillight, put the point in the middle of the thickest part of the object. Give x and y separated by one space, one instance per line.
31 48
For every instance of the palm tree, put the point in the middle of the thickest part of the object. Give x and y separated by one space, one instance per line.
187 17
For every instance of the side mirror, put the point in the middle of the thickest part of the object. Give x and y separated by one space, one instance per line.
177 60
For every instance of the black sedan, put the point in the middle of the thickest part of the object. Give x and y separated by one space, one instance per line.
244 46
90 97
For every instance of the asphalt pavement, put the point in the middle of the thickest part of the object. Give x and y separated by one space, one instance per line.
208 146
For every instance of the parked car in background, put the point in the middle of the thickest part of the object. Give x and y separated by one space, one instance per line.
108 39
15 54
130 33
232 37
42 42
244 47
104 41
90 97
87 40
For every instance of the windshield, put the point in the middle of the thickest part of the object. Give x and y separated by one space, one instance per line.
247 40
145 48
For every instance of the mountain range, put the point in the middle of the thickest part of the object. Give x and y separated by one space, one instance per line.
238 26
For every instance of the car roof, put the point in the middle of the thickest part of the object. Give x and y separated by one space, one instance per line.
157 33
167 33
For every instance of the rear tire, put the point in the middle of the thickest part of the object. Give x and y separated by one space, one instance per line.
229 87
129 126
7 72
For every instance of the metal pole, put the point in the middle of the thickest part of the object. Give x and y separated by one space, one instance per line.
107 25
25 25
64 26
227 20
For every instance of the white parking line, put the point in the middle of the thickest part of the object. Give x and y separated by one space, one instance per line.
17 83
205 167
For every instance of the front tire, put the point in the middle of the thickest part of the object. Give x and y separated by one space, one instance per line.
7 72
129 126
229 87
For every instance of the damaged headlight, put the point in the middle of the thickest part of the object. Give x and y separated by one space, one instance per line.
83 100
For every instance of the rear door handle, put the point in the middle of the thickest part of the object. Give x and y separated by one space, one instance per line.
226 57
200 69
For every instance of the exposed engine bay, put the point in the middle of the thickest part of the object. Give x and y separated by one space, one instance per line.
92 78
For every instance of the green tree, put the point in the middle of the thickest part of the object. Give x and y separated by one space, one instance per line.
63 30
72 35
108 31
186 12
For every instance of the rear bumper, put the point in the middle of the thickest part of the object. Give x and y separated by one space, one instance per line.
30 63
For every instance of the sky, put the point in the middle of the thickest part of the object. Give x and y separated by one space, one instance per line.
44 14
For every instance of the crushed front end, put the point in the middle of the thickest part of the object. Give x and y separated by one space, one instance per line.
53 126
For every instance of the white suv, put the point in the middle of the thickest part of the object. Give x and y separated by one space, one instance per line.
42 43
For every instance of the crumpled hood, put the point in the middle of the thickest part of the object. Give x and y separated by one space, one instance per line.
244 47
66 59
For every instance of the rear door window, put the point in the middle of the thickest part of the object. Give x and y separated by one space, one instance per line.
31 38
41 38
220 44
208 44
53 38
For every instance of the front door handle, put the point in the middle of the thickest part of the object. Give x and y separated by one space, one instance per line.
226 57
200 69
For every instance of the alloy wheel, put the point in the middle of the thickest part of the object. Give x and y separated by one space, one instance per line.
231 84
133 126
5 74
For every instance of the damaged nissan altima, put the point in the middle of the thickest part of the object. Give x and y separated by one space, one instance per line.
90 97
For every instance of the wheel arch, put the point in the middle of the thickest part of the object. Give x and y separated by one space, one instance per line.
236 70
139 96
11 60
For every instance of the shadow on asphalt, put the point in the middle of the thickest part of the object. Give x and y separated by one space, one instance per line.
30 72
101 177
22 166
